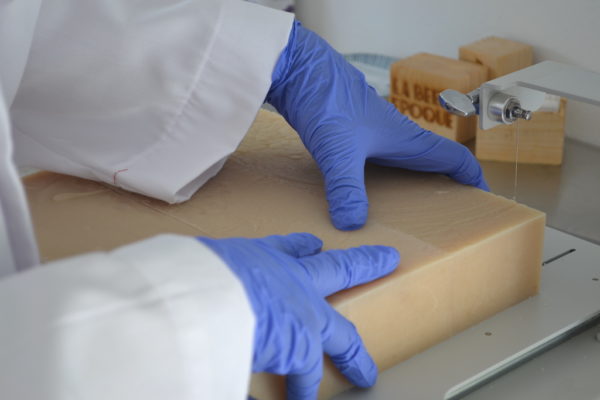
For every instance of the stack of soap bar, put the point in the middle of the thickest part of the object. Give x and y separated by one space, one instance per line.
466 254
541 140
416 83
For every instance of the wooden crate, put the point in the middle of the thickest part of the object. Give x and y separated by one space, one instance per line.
416 83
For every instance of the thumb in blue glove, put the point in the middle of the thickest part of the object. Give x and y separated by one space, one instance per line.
286 279
344 123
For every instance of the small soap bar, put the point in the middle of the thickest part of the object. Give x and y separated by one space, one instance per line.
541 140
500 56
416 83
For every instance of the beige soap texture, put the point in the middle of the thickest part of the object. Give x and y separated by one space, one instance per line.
466 254
416 83
500 56
541 140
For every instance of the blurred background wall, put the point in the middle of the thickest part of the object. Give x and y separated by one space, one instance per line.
559 30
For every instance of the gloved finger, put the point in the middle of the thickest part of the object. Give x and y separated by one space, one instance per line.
294 244
305 386
335 270
346 193
469 170
412 147
348 352
438 154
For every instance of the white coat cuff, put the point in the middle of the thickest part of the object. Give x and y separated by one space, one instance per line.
208 307
160 319
232 85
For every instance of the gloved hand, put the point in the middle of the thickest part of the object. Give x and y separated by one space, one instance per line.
344 123
286 279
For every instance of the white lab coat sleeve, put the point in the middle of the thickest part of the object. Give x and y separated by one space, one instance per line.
151 96
18 249
159 319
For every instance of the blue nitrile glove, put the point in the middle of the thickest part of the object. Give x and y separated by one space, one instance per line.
286 279
343 123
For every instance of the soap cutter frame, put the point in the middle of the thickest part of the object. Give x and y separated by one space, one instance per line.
522 92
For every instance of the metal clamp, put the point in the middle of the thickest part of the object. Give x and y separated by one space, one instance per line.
464 105
506 109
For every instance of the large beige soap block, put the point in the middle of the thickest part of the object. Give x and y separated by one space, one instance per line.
466 254
416 83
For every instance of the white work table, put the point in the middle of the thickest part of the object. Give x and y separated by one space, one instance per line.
568 194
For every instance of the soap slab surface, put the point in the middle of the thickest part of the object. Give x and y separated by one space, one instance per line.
466 254
540 140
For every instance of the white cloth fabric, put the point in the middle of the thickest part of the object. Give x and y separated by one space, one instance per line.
18 249
175 84
160 319
287 5
152 97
